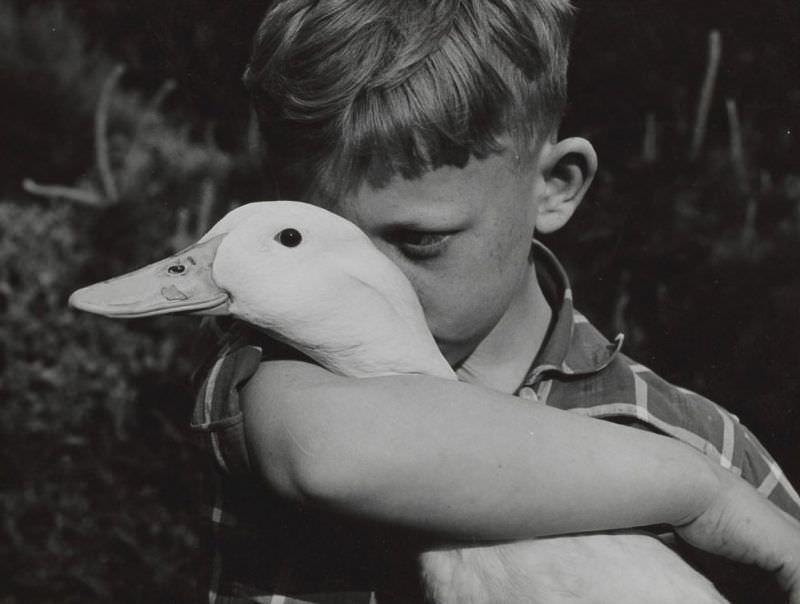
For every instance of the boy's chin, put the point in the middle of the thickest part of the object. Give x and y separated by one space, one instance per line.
456 352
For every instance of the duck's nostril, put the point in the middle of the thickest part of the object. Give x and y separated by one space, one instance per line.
176 269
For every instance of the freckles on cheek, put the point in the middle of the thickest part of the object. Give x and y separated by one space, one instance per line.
498 255
507 252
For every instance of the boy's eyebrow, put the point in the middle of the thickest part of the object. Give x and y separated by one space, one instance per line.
446 222
416 225
422 213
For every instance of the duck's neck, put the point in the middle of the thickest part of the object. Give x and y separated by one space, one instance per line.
373 349
391 337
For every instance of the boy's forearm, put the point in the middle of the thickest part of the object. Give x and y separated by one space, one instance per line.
455 459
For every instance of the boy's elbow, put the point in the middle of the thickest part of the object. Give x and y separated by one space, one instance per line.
303 449
328 480
328 474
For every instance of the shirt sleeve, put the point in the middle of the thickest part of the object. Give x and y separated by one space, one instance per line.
735 447
217 411
715 431
630 393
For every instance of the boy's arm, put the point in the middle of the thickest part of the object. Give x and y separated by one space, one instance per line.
471 463
458 459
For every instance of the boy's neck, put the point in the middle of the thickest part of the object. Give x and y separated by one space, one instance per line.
502 359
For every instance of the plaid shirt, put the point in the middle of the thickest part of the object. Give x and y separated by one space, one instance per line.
265 546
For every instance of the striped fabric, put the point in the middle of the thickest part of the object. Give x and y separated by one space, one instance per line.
579 370
265 547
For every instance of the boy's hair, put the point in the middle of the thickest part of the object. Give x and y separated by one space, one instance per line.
353 91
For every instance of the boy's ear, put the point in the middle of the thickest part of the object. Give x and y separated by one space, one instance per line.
568 168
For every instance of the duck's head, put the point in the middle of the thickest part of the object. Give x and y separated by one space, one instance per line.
301 273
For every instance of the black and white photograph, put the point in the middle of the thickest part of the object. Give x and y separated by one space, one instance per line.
399 302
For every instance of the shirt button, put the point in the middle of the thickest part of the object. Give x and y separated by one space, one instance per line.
528 393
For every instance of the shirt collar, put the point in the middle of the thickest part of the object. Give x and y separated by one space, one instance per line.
572 346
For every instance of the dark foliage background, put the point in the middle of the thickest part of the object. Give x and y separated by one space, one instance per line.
693 254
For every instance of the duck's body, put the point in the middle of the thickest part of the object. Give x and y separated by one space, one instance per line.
315 281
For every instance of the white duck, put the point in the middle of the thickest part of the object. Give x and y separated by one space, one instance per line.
305 275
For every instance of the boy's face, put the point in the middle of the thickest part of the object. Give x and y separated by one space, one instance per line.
461 236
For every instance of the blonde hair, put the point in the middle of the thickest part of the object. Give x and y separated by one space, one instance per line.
353 91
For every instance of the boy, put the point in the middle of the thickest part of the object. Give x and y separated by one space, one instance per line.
431 125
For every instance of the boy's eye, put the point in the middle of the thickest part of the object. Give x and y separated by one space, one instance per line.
419 245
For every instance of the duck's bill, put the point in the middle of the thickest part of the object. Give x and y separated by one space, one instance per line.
180 284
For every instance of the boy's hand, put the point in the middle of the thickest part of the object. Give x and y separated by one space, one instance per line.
742 525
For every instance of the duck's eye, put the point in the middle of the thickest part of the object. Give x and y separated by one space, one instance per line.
176 269
290 237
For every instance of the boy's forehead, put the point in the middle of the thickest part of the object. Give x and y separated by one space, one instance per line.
445 193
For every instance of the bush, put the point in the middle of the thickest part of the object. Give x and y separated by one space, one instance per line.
100 482
50 79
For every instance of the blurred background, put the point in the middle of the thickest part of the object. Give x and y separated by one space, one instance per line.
125 132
